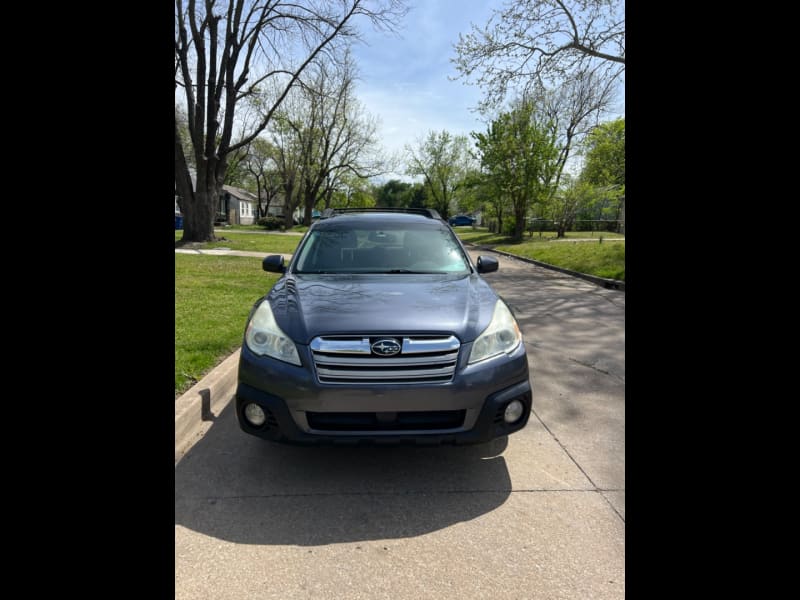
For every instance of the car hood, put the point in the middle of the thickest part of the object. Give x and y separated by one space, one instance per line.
306 306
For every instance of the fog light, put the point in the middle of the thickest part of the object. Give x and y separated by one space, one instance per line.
256 417
514 411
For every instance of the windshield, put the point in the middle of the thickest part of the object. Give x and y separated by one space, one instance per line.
401 249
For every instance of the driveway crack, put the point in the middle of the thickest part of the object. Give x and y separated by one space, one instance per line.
598 369
575 462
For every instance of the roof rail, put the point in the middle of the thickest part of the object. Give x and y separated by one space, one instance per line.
427 212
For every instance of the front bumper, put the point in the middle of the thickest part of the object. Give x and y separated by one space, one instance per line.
297 405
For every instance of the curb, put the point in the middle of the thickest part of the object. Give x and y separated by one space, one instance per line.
197 408
612 284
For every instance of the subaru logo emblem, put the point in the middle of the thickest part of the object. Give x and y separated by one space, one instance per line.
386 347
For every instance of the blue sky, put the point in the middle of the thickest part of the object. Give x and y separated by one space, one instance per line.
404 78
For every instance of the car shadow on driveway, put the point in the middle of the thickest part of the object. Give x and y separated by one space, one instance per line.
242 489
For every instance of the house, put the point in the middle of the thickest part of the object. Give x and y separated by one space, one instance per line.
236 206
276 205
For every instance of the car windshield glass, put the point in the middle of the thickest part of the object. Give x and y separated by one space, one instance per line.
396 250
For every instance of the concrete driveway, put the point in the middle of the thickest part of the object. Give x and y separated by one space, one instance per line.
539 514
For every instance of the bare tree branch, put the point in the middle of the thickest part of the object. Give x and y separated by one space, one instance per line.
541 42
221 46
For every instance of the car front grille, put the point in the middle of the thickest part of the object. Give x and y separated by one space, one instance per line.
351 360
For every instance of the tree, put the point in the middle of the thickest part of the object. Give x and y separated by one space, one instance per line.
442 160
475 191
482 192
393 194
238 174
182 128
351 192
605 154
519 158
329 132
573 195
535 42
260 164
336 133
288 159
359 156
226 51
572 110
417 196
604 166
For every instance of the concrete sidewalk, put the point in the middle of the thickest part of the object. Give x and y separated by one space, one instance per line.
272 232
229 252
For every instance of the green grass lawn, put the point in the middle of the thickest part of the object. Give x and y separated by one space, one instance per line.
274 243
269 243
297 228
481 235
300 228
602 260
213 296
593 258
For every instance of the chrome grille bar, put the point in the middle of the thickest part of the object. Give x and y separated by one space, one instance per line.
423 345
341 346
393 361
363 374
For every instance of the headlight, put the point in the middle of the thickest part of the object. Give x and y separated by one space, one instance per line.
502 335
264 337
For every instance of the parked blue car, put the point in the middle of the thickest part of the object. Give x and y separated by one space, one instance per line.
461 220
382 329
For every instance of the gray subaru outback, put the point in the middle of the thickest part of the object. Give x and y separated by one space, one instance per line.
381 329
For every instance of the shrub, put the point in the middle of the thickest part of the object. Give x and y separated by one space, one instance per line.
270 222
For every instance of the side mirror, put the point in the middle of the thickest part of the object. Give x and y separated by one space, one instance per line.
273 263
487 264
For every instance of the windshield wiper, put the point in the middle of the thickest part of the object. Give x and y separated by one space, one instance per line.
408 271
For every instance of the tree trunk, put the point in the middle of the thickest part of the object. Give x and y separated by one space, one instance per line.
519 230
183 182
198 206
258 195
198 221
288 216
328 196
519 224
